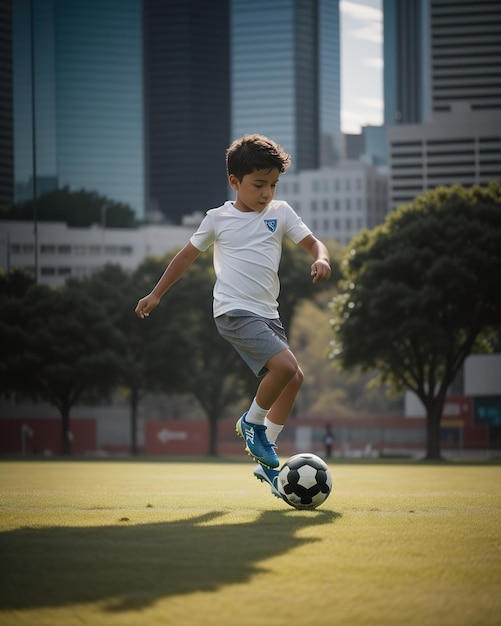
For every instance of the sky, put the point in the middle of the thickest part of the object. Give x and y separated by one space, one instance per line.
361 64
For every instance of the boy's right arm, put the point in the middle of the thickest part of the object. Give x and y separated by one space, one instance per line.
176 268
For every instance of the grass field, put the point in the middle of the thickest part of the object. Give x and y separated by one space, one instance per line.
202 544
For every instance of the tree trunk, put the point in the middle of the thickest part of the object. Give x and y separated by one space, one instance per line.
134 401
65 433
212 435
433 421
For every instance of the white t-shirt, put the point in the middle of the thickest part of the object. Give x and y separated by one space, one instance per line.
247 251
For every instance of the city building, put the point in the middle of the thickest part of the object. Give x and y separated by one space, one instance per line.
66 252
77 98
6 114
338 202
186 105
406 65
459 147
460 141
285 76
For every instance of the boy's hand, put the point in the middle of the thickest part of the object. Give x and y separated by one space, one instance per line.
320 270
146 305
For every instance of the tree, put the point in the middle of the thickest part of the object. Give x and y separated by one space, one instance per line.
60 344
76 208
152 353
295 280
421 292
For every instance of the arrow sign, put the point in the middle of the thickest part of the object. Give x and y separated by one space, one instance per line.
165 435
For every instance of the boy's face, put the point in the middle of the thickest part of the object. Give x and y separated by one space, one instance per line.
256 190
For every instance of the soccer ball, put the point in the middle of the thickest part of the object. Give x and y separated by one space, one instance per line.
304 481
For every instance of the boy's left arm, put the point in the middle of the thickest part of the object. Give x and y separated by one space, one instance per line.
320 268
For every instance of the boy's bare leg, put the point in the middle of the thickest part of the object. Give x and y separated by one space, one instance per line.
282 407
278 389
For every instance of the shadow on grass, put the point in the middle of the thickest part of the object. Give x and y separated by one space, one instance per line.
128 567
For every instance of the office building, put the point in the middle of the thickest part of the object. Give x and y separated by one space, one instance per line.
338 202
74 252
6 114
285 77
187 105
77 97
460 142
406 66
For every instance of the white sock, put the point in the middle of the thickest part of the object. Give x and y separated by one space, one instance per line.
272 430
256 414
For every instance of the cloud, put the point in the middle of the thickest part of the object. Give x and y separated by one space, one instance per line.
372 103
362 21
352 121
370 32
360 11
376 62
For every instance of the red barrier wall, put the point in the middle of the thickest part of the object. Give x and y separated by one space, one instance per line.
43 435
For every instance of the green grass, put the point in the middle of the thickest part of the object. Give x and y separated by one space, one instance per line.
203 544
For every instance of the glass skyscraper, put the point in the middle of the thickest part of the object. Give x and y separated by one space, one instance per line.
285 77
187 104
406 64
88 113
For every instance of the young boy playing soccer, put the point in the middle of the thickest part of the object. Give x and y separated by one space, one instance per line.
247 237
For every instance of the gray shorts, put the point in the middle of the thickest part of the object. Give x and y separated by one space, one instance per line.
255 338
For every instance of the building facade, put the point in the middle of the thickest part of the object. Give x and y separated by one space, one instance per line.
285 77
338 202
187 105
67 252
460 142
77 98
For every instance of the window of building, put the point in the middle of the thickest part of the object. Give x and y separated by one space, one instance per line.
47 271
64 249
47 249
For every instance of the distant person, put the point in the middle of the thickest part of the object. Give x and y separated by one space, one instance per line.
247 236
328 441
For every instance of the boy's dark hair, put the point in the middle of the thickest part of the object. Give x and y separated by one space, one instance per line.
255 152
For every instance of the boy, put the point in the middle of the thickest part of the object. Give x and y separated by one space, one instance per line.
247 236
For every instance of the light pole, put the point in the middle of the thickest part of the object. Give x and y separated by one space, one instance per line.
34 139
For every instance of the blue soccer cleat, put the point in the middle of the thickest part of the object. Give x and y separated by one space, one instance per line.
269 476
256 442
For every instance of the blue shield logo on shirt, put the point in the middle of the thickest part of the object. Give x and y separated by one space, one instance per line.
271 225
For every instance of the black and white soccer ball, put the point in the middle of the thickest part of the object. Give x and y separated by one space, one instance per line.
304 481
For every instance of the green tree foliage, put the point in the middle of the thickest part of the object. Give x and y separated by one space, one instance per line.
421 292
76 208
295 280
58 344
152 353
